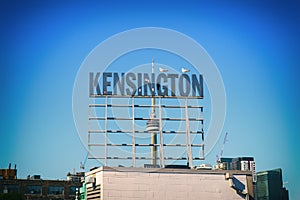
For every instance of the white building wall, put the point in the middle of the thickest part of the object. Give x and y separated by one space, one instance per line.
152 185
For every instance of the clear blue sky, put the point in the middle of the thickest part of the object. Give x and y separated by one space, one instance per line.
254 44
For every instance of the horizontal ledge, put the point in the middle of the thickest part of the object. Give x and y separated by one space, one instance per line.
141 118
143 158
147 145
130 131
141 106
148 96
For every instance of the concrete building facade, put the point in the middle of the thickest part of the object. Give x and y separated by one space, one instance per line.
145 183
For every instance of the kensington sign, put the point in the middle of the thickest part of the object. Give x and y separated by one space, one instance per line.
144 84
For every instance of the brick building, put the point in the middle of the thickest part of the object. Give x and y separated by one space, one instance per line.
36 188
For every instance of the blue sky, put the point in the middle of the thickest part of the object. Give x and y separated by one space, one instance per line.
43 43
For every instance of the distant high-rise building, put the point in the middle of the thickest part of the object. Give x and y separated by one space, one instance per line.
242 163
239 163
270 187
224 163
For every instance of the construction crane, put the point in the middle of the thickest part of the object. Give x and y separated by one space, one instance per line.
82 164
81 193
223 145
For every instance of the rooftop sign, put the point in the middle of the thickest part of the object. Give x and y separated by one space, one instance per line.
145 84
103 74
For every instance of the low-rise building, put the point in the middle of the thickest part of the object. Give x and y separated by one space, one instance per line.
36 188
167 183
40 189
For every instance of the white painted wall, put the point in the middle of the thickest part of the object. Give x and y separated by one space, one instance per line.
156 185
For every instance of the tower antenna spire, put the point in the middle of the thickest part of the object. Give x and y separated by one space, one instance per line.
152 65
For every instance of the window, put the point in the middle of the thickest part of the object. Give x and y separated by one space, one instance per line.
73 190
10 188
56 190
33 189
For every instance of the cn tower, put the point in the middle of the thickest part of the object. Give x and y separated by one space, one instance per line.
153 126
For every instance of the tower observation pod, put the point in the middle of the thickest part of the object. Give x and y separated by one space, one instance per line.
153 124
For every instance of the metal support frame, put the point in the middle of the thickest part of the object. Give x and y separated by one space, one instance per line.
106 127
107 131
133 134
202 130
89 134
188 136
161 137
